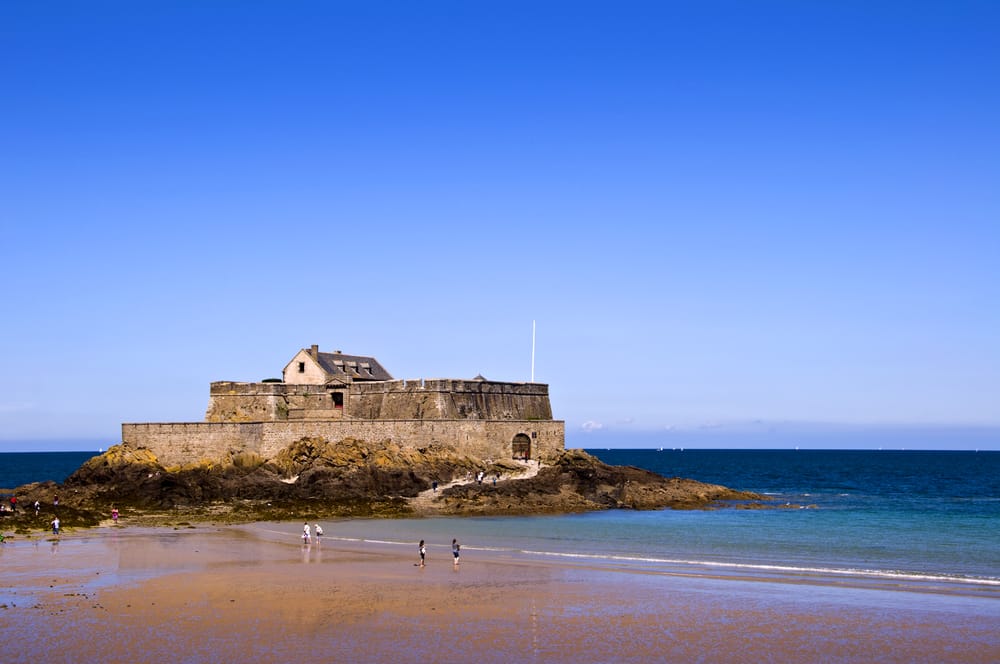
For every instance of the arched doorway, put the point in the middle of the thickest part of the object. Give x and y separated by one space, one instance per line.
521 446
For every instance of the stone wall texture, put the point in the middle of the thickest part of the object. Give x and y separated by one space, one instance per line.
421 399
176 444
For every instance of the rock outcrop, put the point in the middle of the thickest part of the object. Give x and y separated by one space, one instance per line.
578 482
354 478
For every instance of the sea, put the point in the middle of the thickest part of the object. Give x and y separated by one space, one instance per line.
20 468
899 519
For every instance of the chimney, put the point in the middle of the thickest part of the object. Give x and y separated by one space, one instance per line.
314 351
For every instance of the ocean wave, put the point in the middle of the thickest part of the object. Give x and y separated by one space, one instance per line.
901 575
695 564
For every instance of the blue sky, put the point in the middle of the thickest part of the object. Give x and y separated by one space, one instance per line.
774 222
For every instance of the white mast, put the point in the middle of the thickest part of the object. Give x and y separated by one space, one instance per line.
532 351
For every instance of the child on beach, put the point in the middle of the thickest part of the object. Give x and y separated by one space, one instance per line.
423 552
319 532
55 526
306 539
455 550
114 515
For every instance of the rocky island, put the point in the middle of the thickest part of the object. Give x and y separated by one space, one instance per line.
316 478
338 436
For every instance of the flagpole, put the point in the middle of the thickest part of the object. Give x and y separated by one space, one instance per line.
532 351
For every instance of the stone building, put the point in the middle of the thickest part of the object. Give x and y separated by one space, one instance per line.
336 396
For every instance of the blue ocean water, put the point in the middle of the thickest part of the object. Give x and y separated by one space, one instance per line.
929 519
925 513
893 517
18 468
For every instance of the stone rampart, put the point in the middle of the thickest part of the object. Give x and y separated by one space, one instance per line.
420 399
185 443
448 399
193 442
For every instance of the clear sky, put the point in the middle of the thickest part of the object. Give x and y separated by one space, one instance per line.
763 221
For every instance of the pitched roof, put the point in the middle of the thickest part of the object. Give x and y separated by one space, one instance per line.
355 367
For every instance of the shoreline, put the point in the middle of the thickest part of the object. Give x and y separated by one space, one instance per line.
281 532
253 591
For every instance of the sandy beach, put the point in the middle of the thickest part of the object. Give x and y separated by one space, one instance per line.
255 593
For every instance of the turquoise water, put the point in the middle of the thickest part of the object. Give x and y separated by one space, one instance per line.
928 519
885 517
933 513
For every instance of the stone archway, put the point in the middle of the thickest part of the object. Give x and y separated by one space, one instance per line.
521 446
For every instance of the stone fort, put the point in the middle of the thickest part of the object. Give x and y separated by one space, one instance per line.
336 396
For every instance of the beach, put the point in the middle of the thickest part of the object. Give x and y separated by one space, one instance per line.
255 593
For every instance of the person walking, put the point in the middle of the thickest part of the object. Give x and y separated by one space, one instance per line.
456 550
423 552
319 532
114 515
55 526
306 538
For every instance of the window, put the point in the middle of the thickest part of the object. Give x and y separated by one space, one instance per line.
338 399
302 367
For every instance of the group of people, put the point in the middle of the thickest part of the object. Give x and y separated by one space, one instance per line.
307 534
456 548
54 524
38 505
456 552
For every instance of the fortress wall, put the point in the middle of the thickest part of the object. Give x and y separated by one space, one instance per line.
449 399
246 408
263 402
183 443
477 437
419 399
191 442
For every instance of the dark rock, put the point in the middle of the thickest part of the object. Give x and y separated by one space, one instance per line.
354 478
577 481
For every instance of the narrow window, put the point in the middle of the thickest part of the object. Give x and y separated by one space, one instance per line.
338 399
302 367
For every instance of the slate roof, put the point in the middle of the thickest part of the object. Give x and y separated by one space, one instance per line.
354 367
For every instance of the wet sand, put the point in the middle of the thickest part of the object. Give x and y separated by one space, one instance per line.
254 593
